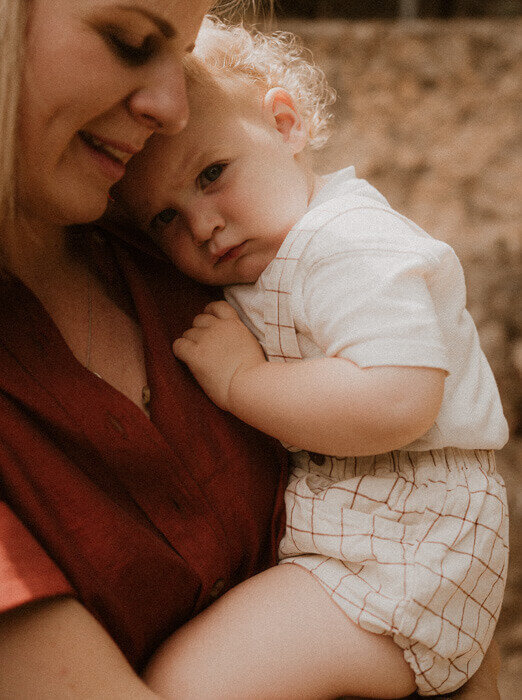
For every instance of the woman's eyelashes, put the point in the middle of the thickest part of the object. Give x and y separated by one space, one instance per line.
133 55
211 174
165 217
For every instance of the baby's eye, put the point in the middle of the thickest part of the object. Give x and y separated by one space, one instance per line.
164 217
211 174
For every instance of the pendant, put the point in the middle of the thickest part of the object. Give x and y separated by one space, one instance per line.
145 395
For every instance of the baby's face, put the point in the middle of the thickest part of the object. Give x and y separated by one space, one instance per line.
219 197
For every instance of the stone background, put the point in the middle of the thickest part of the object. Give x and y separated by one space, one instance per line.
429 112
364 9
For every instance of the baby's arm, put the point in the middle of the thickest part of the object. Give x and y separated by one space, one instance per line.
326 405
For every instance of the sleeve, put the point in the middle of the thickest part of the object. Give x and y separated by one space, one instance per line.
26 572
372 305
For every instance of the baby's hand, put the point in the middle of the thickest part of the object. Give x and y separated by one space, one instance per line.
216 349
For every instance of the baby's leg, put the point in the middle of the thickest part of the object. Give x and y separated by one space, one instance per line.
278 635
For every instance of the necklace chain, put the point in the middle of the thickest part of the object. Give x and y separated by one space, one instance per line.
89 326
145 392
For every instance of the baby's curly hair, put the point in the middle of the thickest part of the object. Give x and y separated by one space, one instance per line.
270 60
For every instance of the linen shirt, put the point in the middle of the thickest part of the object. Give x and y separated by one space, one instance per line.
374 288
145 521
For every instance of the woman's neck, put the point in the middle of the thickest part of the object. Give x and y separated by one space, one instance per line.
36 252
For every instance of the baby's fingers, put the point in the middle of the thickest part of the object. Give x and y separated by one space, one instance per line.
185 346
193 334
221 309
203 320
183 349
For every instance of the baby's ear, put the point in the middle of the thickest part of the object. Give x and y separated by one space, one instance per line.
280 106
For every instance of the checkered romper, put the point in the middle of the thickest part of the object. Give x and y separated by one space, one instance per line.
408 544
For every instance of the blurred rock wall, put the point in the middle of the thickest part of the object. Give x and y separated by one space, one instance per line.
364 9
430 113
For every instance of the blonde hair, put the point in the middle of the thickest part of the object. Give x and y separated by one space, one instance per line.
13 17
270 60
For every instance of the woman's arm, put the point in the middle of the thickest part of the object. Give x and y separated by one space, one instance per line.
54 649
326 405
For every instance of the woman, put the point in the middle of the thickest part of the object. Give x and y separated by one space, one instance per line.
129 503
144 521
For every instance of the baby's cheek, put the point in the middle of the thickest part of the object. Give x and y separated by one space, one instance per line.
186 258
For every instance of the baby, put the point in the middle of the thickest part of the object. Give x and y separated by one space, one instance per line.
370 372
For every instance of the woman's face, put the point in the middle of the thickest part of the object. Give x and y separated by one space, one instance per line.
100 77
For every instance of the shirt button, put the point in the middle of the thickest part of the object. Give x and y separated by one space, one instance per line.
217 588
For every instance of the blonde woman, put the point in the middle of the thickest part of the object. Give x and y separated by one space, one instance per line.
119 518
122 514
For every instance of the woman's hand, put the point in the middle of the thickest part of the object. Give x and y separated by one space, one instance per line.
216 349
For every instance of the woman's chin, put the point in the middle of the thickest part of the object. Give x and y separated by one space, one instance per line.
71 206
81 210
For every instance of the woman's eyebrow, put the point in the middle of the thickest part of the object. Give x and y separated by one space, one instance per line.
165 28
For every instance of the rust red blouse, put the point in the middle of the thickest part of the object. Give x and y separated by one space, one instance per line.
146 522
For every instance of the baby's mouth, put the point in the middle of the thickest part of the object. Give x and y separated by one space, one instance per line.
229 254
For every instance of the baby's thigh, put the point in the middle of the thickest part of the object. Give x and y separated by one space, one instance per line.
278 635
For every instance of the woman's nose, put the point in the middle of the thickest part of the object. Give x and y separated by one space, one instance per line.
161 104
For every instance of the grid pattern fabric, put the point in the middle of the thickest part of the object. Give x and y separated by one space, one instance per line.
408 544
280 337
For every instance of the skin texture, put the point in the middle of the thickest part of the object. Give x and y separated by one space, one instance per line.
237 649
55 649
277 635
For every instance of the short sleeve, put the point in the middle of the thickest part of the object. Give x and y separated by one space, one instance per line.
27 573
372 305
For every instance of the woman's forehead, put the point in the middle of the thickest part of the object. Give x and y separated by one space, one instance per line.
170 16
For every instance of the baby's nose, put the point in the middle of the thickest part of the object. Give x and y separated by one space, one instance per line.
203 227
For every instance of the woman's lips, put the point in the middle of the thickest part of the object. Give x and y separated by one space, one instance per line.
111 157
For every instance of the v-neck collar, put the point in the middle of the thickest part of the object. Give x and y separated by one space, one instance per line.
48 380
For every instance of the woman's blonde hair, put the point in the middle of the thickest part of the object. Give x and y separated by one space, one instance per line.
270 60
13 17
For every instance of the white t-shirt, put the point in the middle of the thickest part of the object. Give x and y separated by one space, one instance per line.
376 289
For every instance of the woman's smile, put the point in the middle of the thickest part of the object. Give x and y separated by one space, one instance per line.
111 157
114 76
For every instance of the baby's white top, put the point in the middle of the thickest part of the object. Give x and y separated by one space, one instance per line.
373 287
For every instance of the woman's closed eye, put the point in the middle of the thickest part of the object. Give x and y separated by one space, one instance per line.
163 218
210 174
130 53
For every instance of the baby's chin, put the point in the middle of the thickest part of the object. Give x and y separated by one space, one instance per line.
246 270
